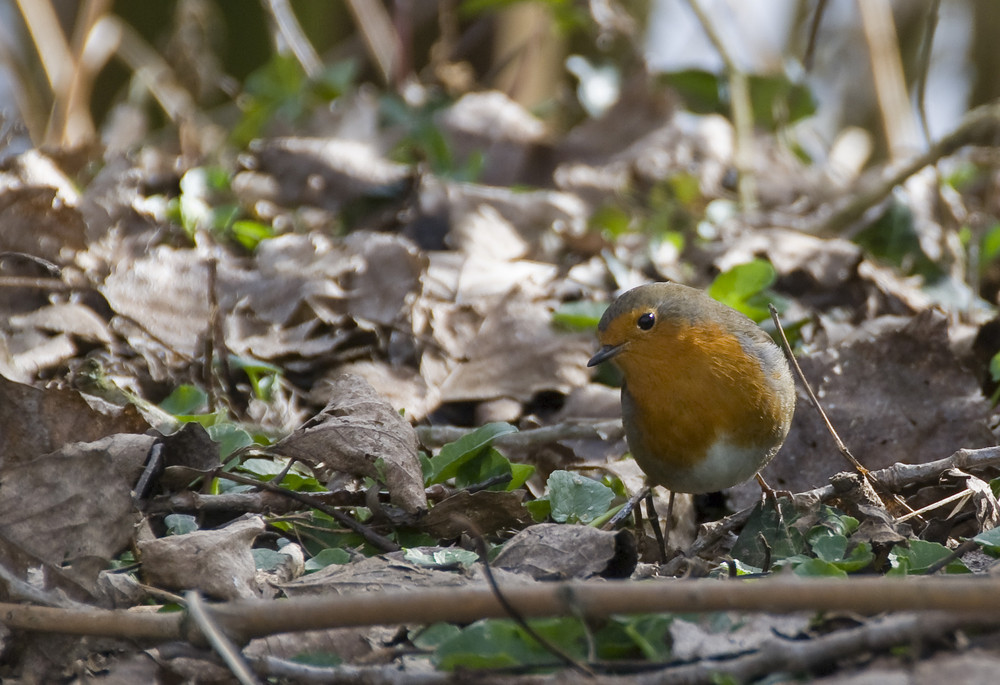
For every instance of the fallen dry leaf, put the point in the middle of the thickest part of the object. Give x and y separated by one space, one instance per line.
555 551
361 434
484 512
518 353
40 421
898 394
216 562
74 506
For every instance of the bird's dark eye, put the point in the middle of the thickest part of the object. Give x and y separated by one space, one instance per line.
646 321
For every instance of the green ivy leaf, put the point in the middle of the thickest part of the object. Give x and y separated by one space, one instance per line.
817 568
919 556
435 635
745 288
502 643
180 524
267 559
453 455
781 536
577 499
830 547
449 557
327 557
989 540
185 399
230 438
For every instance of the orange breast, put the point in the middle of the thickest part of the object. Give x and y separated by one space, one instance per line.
691 386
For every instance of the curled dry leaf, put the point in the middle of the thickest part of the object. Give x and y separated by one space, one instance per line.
166 293
38 209
517 353
372 574
486 511
553 551
37 421
217 562
493 125
359 433
74 506
386 275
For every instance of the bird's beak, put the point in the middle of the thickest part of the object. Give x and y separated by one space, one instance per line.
605 353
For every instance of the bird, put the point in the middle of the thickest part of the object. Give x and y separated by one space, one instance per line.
707 396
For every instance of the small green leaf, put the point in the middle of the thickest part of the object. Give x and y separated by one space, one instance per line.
519 474
611 220
995 367
817 568
919 556
185 399
327 557
540 509
989 248
583 315
435 635
230 438
449 557
577 499
180 524
745 288
268 559
453 455
989 540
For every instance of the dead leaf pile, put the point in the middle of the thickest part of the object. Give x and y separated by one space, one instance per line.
389 298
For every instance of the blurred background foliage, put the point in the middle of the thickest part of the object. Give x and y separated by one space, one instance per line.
94 77
560 58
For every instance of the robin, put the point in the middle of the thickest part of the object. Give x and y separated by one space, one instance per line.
707 398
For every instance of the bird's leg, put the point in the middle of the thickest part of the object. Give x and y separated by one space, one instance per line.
770 495
654 521
766 490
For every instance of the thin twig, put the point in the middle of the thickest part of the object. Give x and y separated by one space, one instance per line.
291 32
841 447
977 596
924 63
966 493
887 74
741 108
222 644
436 436
380 542
484 557
978 126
